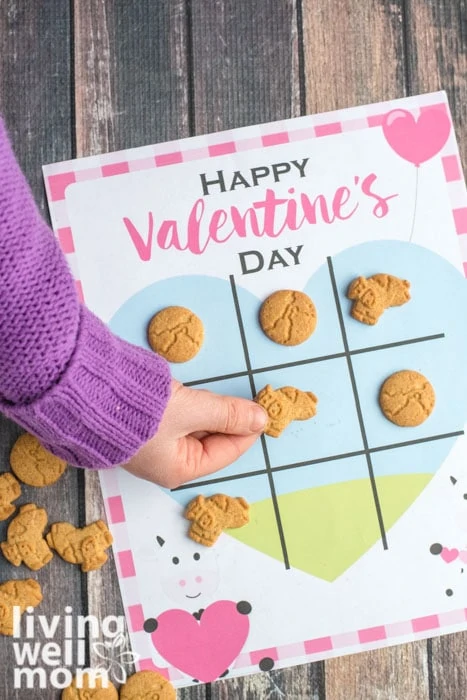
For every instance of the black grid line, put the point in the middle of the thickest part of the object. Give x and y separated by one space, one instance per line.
361 422
311 360
367 451
321 460
272 486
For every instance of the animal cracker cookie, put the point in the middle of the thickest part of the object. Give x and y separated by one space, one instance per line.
90 688
285 405
85 546
212 515
24 543
407 398
33 464
147 685
373 295
17 593
10 490
176 333
288 317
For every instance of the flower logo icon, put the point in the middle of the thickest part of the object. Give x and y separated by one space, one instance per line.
115 656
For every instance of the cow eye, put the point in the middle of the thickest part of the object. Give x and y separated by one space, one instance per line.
175 560
196 556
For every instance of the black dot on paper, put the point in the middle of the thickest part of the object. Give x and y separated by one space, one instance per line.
436 548
266 664
150 625
196 556
465 496
175 560
449 592
453 480
243 607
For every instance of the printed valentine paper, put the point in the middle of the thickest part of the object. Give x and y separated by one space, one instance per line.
358 532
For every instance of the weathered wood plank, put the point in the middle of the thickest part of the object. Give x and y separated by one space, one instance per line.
354 53
131 84
395 673
449 664
437 55
35 101
244 70
295 683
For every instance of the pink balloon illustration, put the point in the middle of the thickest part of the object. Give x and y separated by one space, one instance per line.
416 140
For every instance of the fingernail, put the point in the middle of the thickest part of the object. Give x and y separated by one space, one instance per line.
259 419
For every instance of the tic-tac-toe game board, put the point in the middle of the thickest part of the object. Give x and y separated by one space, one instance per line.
358 530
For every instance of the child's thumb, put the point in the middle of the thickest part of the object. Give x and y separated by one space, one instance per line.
229 415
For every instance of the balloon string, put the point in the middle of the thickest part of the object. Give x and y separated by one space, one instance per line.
417 169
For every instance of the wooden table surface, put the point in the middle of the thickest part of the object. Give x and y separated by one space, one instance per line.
80 77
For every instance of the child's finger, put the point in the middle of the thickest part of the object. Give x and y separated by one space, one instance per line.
225 414
214 452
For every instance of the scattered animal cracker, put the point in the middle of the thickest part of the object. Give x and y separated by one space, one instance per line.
90 688
147 685
83 546
407 398
373 295
212 515
176 333
285 405
20 593
33 464
10 490
288 317
24 543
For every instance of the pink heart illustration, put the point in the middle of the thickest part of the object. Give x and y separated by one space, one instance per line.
463 556
449 555
417 141
206 648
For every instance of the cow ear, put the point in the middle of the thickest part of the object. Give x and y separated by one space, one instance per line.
160 541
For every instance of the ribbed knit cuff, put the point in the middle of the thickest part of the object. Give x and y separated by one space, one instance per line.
106 405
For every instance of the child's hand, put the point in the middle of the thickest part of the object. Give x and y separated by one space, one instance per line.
200 433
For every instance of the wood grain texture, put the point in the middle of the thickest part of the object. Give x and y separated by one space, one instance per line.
449 667
353 53
35 101
437 55
396 673
299 683
244 69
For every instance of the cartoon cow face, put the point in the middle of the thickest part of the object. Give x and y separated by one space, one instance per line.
190 576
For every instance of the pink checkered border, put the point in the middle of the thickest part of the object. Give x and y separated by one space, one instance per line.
61 175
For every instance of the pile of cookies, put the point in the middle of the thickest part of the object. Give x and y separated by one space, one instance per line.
25 543
144 684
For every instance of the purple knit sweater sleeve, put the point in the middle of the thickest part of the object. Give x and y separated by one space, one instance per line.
88 396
